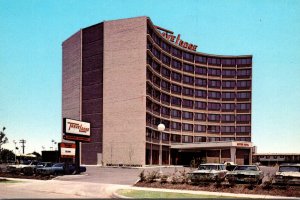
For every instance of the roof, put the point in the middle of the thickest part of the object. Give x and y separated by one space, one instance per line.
276 154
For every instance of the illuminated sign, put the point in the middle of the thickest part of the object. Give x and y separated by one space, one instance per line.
76 127
243 144
67 150
176 39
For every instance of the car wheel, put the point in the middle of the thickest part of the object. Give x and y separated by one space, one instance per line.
260 182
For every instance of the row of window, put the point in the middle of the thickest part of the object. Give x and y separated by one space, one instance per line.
165 111
225 84
187 103
154 121
230 62
240 73
190 139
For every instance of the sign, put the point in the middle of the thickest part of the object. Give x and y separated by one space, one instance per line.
243 144
176 39
76 127
76 138
67 150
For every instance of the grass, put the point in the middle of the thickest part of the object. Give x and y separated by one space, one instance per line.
164 195
5 181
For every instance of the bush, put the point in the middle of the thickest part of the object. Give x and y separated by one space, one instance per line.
152 176
142 176
164 178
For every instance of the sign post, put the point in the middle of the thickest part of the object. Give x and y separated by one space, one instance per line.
77 131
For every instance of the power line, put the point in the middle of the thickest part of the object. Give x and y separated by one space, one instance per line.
23 145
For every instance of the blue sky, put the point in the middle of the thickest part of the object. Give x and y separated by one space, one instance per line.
31 33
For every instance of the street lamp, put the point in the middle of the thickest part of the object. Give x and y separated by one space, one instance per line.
15 142
161 128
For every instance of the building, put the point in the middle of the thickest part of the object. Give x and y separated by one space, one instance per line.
127 76
276 158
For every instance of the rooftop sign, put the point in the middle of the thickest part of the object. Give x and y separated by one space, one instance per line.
176 39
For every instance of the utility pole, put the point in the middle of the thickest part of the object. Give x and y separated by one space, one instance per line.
23 145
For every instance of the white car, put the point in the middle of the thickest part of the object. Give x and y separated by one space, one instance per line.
288 174
208 172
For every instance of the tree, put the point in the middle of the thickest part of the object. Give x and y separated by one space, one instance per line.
7 155
3 138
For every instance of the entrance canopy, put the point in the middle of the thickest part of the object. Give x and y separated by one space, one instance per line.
213 145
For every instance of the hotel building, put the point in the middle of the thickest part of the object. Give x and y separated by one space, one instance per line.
127 76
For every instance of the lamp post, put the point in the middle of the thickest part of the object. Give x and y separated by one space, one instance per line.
161 128
15 142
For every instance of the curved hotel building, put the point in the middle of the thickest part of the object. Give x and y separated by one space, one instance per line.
127 76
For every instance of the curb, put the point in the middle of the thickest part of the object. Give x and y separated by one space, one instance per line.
115 195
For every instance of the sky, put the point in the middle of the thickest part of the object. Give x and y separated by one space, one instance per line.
32 31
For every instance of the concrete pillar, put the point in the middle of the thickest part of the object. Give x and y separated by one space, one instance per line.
233 154
220 156
250 156
151 154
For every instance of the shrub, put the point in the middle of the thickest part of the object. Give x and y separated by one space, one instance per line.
164 178
152 176
142 176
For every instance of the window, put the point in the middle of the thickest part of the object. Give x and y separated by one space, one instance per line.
188 68
227 118
165 98
187 127
243 118
200 82
244 72
213 129
244 61
187 91
175 126
243 84
176 89
213 117
214 61
176 76
156 66
149 75
187 139
176 113
165 137
188 56
175 138
200 93
199 139
200 117
156 80
228 106
228 129
165 59
243 129
243 95
176 52
228 95
227 139
214 83
188 79
214 95
200 105
156 38
213 106
228 84
213 139
187 103
156 108
228 62
156 53
165 85
187 115
156 94
243 106
228 73
200 59
176 64
165 72
201 70
165 111
176 101
165 46
200 128
214 72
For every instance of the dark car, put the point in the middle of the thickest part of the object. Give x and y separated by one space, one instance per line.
60 169
245 173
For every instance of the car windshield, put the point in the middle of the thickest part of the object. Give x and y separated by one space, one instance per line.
208 167
289 169
246 168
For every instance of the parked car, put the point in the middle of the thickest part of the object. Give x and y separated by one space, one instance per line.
288 174
20 167
59 169
41 166
245 173
208 172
